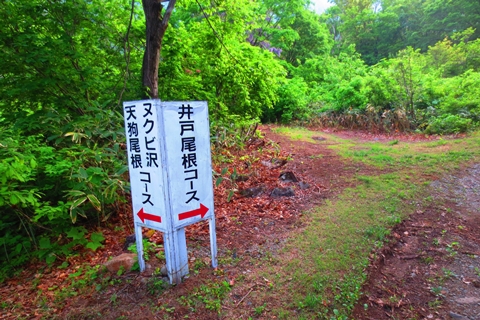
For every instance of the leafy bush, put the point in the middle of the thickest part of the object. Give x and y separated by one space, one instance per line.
46 183
407 92
233 131
458 95
350 95
449 124
292 102
239 80
24 163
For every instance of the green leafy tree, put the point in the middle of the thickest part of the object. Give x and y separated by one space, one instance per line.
292 102
63 73
443 18
379 29
314 39
274 26
63 55
209 58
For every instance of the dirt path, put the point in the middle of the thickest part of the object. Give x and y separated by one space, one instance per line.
431 268
249 229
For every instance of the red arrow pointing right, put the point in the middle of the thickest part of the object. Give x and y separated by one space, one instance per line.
202 211
147 216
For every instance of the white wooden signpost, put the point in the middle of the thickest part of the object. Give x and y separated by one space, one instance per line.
170 169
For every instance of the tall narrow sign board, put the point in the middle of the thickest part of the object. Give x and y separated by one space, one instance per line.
170 166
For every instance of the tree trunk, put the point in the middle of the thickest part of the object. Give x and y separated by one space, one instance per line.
156 27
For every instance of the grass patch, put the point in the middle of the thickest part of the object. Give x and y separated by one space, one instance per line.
302 134
323 267
208 296
323 279
296 133
446 153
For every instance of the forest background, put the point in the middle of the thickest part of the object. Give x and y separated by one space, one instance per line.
66 67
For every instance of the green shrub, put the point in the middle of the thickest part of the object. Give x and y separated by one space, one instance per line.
292 102
25 181
350 95
449 124
46 183
457 95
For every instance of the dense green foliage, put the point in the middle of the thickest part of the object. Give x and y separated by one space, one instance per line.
66 67
62 77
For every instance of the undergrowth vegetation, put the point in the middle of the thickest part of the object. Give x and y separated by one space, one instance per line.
412 91
320 272
66 68
317 274
335 248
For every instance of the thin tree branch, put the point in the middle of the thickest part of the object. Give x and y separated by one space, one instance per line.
127 53
168 13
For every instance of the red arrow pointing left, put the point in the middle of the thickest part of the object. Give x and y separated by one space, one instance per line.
147 216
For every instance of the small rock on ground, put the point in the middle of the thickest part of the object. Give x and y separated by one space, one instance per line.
125 261
282 192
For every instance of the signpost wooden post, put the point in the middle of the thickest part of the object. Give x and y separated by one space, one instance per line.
170 167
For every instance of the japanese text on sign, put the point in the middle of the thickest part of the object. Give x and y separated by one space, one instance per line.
188 148
141 126
151 152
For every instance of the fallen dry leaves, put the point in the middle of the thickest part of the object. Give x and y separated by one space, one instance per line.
35 291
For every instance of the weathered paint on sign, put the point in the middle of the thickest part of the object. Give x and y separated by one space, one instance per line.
143 127
189 162
169 159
